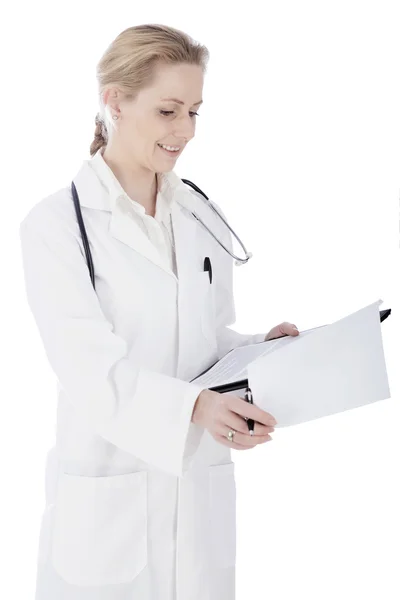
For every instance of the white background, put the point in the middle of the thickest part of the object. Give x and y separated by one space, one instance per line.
298 141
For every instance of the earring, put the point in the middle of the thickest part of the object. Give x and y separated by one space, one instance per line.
115 117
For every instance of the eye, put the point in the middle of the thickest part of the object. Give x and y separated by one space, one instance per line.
166 113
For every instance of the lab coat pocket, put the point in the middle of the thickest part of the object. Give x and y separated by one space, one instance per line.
100 528
223 514
207 307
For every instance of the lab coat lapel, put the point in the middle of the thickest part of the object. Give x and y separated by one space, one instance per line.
93 194
126 230
184 228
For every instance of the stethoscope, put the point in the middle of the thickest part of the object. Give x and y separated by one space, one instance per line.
238 261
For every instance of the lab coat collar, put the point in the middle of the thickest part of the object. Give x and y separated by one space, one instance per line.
99 193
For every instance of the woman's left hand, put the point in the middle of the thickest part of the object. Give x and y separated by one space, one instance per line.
281 330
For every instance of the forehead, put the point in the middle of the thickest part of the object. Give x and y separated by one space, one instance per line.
182 82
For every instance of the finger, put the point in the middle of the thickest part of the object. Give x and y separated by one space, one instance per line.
261 429
233 421
242 441
221 440
251 411
287 328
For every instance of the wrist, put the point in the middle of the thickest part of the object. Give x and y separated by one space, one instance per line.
198 409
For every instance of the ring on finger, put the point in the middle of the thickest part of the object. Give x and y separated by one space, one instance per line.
230 434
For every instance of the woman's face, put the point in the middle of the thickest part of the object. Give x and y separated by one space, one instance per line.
151 119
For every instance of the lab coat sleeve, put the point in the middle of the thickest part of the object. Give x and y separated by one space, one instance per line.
143 412
228 338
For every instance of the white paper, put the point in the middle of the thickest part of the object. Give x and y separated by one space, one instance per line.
339 367
233 366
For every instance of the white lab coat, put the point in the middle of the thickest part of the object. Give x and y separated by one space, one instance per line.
140 501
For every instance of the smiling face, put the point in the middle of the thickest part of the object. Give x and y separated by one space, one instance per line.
152 118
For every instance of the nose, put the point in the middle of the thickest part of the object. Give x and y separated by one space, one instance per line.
185 128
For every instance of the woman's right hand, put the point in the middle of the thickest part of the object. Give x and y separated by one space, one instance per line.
218 413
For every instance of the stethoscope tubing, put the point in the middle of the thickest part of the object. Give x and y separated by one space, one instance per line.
238 261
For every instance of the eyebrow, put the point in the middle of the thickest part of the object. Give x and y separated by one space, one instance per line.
180 101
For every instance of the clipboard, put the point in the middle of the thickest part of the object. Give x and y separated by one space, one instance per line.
243 383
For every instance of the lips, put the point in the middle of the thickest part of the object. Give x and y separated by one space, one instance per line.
172 146
170 153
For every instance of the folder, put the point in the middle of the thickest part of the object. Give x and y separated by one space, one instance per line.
242 383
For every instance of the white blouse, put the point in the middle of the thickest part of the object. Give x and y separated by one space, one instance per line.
158 228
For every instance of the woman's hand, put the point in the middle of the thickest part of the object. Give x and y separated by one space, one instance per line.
218 413
281 330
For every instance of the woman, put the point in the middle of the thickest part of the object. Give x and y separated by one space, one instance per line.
140 487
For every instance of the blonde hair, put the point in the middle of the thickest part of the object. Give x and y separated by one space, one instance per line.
129 64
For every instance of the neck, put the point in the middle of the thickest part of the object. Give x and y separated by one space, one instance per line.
140 184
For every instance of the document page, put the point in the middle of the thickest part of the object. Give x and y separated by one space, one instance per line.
233 366
337 368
